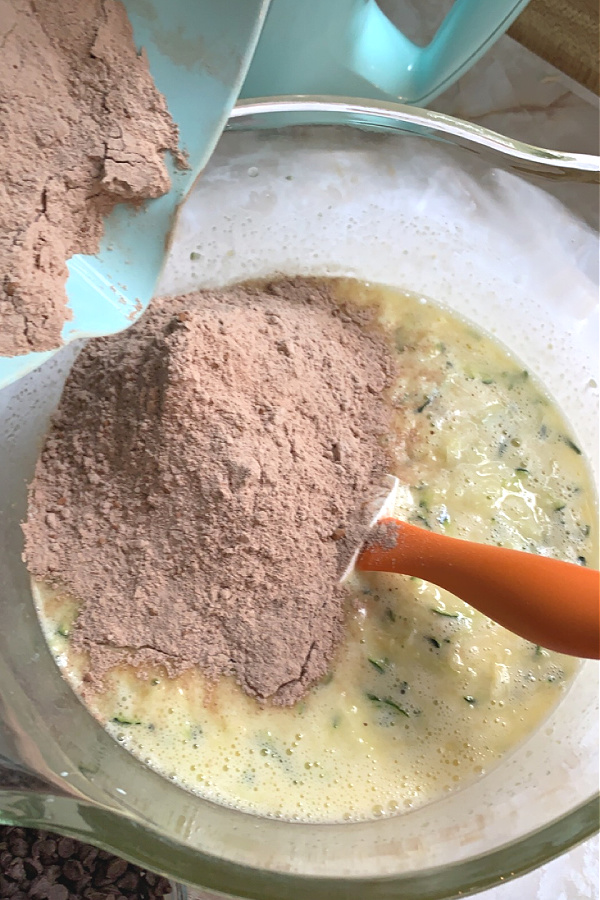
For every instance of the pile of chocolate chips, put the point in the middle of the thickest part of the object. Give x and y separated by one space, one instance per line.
43 866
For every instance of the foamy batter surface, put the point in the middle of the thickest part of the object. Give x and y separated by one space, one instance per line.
426 693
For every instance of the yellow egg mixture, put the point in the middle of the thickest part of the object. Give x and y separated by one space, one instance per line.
426 693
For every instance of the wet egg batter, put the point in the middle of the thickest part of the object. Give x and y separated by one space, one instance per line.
425 693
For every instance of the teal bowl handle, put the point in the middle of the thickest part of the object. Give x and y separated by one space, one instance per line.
467 32
383 56
350 48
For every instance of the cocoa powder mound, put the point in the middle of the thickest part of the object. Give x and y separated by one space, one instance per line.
203 482
82 128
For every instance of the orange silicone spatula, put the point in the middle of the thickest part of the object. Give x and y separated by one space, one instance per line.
549 602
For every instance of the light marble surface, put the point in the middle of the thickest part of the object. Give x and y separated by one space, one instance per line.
514 92
573 876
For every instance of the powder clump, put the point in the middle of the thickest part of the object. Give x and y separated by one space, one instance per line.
82 128
203 483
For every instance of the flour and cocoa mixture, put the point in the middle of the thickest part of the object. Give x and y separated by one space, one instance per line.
82 128
203 482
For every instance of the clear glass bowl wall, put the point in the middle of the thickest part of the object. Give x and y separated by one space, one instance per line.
377 194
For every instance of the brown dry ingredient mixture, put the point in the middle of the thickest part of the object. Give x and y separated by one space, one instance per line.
201 488
82 127
42 866
386 535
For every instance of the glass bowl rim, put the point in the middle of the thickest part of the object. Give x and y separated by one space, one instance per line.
397 117
477 873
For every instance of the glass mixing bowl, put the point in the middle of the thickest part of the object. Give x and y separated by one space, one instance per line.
386 194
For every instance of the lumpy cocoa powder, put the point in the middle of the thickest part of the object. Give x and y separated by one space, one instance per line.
203 482
82 127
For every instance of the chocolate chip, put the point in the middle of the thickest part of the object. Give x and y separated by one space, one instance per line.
162 887
45 850
70 876
33 867
83 882
65 847
100 879
129 881
39 888
16 870
7 888
116 868
88 856
18 847
73 869
53 873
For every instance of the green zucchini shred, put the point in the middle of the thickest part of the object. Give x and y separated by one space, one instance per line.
513 379
387 701
268 748
380 666
425 403
422 520
570 444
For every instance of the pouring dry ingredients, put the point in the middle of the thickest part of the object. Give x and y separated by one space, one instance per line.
203 485
83 129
